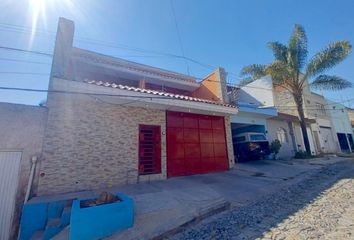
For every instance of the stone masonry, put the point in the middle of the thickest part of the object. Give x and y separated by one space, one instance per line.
91 144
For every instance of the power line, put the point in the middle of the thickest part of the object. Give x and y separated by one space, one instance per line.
26 51
22 61
96 42
29 28
179 34
84 93
26 73
126 47
44 74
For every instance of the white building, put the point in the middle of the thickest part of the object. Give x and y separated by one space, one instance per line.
341 124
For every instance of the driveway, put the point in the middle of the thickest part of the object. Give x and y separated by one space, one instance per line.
165 207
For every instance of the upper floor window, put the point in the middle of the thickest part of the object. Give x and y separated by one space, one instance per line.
320 109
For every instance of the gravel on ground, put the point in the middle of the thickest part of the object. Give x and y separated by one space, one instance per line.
319 207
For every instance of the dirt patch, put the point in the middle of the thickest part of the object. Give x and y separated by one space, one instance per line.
103 198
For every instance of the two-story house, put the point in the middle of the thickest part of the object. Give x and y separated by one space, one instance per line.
321 133
257 113
342 125
113 122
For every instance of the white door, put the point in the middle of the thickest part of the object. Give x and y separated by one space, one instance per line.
309 135
9 174
329 144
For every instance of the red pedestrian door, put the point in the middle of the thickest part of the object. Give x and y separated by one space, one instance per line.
149 149
195 144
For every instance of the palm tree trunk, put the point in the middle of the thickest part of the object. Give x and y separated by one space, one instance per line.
300 110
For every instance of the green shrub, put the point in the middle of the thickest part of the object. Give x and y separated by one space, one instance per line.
302 155
275 146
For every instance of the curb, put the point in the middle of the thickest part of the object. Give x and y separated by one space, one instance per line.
203 214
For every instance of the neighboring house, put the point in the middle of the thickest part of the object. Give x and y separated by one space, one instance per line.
257 113
321 134
351 117
342 125
255 106
22 130
138 123
286 128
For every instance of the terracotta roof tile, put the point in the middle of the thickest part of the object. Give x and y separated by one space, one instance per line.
159 93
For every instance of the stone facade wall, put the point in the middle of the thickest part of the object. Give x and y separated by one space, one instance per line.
230 148
22 129
92 144
284 102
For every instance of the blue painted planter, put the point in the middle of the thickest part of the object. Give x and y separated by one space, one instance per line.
36 216
101 221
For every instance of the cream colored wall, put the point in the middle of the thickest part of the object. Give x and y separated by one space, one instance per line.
287 150
22 129
300 140
327 144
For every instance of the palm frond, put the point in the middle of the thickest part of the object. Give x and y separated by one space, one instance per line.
297 48
328 58
279 72
253 71
280 51
246 81
327 82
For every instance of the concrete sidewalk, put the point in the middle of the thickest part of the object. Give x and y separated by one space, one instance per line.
164 207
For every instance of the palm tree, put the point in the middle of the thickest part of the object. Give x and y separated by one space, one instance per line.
292 71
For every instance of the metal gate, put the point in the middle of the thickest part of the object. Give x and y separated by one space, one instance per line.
149 149
196 144
9 174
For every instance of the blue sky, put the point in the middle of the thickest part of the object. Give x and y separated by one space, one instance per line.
225 33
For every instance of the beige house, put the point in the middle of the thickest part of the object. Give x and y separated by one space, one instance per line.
110 122
114 122
322 136
286 129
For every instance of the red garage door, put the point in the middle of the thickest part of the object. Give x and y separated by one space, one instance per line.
195 144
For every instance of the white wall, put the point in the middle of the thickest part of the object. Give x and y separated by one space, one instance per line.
340 117
287 148
300 139
247 118
259 92
22 129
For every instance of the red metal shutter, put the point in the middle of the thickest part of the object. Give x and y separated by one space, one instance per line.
195 144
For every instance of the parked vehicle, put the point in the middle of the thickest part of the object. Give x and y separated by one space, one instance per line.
250 146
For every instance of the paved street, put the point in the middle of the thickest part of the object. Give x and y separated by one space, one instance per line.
296 199
318 207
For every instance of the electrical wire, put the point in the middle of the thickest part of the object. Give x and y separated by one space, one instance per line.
24 29
23 61
179 35
126 47
26 51
83 93
26 73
